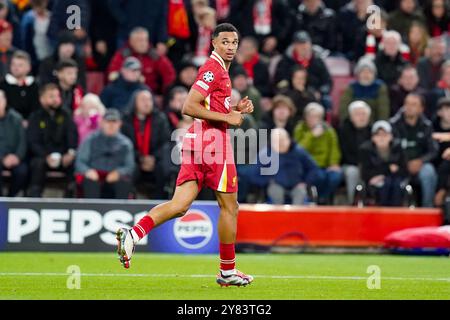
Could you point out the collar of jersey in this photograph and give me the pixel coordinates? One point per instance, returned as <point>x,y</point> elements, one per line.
<point>219,59</point>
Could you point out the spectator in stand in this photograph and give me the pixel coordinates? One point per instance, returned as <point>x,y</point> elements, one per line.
<point>187,74</point>
<point>6,47</point>
<point>150,15</point>
<point>367,88</point>
<point>383,165</point>
<point>321,142</point>
<point>415,132</point>
<point>148,129</point>
<point>117,94</point>
<point>441,124</point>
<point>429,67</point>
<point>401,19</point>
<point>244,151</point>
<point>319,78</point>
<point>13,146</point>
<point>257,69</point>
<point>243,84</point>
<point>102,34</point>
<point>61,17</point>
<point>352,20</point>
<point>206,23</point>
<point>417,42</point>
<point>300,94</point>
<point>157,70</point>
<point>354,131</point>
<point>437,13</point>
<point>66,49</point>
<point>52,141</point>
<point>20,88</point>
<point>406,84</point>
<point>389,59</point>
<point>71,92</point>
<point>270,22</point>
<point>88,116</point>
<point>34,27</point>
<point>176,98</point>
<point>442,162</point>
<point>320,23</point>
<point>297,170</point>
<point>281,116</point>
<point>9,13</point>
<point>105,161</point>
<point>442,90</point>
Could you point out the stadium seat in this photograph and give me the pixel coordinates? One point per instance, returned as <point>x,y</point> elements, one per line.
<point>340,83</point>
<point>95,82</point>
<point>338,66</point>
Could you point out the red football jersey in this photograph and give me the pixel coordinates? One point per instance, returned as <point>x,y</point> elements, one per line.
<point>213,82</point>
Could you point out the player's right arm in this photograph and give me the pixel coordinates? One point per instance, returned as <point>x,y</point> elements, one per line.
<point>193,107</point>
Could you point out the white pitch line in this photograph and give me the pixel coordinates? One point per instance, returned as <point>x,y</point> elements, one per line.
<point>134,275</point>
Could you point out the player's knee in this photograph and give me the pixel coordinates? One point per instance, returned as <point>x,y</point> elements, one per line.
<point>232,209</point>
<point>181,209</point>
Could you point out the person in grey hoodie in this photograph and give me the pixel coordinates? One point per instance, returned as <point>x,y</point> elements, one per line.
<point>13,145</point>
<point>105,161</point>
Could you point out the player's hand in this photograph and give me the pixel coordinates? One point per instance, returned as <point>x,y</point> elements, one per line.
<point>245,106</point>
<point>235,118</point>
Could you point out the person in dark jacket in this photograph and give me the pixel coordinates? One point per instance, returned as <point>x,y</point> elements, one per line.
<point>401,19</point>
<point>52,141</point>
<point>105,161</point>
<point>406,84</point>
<point>173,109</point>
<point>157,70</point>
<point>319,78</point>
<point>34,27</point>
<point>151,15</point>
<point>13,146</point>
<point>437,14</point>
<point>320,22</point>
<point>149,130</point>
<point>297,170</point>
<point>270,24</point>
<point>383,165</point>
<point>354,131</point>
<point>415,132</point>
<point>352,20</point>
<point>298,91</point>
<point>282,115</point>
<point>66,49</point>
<point>20,88</point>
<point>429,67</point>
<point>71,92</point>
<point>442,90</point>
<point>389,60</point>
<point>117,94</point>
<point>256,68</point>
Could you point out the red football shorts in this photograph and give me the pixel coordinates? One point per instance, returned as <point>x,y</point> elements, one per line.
<point>218,175</point>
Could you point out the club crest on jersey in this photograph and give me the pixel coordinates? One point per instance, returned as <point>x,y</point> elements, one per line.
<point>208,76</point>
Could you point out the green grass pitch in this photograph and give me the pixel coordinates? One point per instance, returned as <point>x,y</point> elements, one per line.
<point>178,277</point>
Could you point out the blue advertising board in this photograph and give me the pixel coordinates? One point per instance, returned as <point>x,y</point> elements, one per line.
<point>90,225</point>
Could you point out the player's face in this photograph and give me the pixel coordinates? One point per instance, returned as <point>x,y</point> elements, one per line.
<point>226,45</point>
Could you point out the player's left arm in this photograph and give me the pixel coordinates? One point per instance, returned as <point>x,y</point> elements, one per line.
<point>245,106</point>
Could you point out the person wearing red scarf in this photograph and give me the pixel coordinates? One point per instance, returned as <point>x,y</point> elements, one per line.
<point>148,128</point>
<point>256,69</point>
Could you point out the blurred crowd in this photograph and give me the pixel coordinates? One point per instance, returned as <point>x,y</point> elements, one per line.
<point>99,102</point>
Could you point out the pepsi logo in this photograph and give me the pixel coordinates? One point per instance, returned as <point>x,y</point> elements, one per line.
<point>194,230</point>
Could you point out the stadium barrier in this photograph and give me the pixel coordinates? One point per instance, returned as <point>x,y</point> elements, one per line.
<point>89,225</point>
<point>328,226</point>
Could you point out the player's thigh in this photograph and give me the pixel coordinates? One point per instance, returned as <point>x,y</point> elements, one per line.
<point>228,202</point>
<point>185,195</point>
